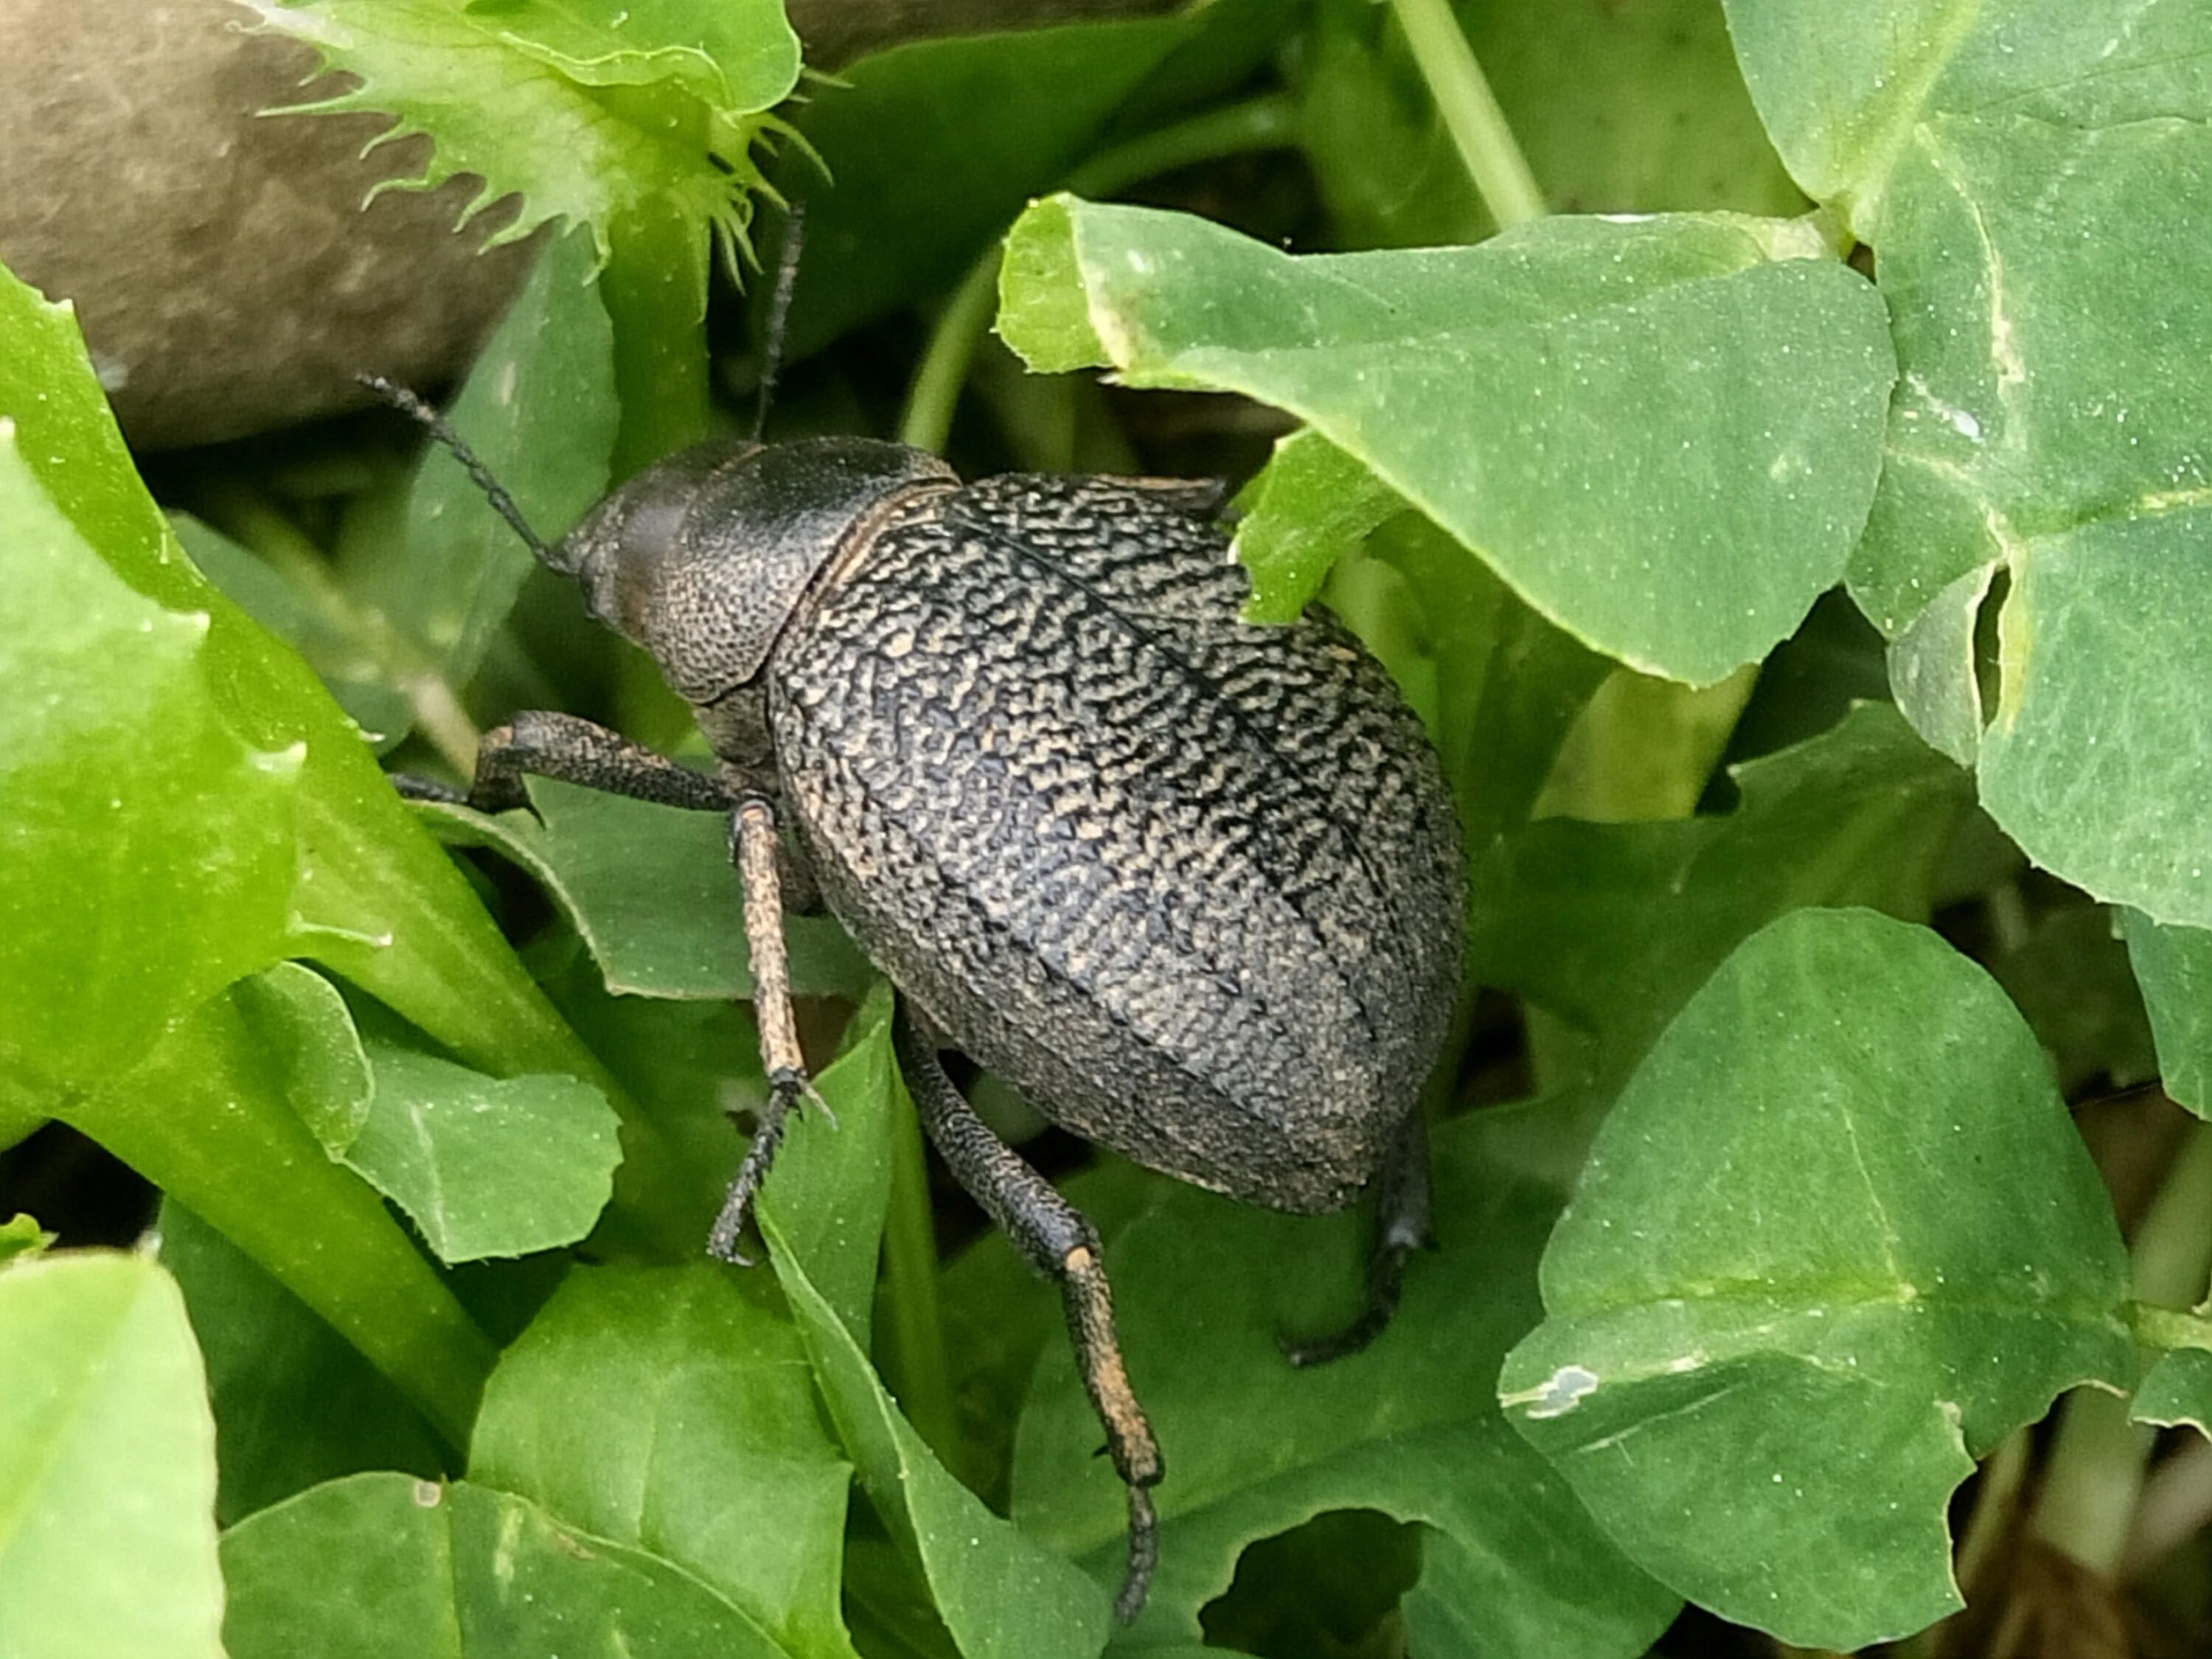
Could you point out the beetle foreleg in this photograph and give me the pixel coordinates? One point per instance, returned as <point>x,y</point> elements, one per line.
<point>753,845</point>
<point>1060,1241</point>
<point>1402,1227</point>
<point>572,750</point>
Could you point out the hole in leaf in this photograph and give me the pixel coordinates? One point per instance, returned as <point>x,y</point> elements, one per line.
<point>1326,1589</point>
<point>1989,664</point>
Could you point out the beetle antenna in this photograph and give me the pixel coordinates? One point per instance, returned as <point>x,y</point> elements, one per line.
<point>436,425</point>
<point>778,312</point>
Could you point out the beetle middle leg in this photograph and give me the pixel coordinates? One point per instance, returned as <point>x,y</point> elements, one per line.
<point>1402,1227</point>
<point>757,849</point>
<point>1060,1241</point>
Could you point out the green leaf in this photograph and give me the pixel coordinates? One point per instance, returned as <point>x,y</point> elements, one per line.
<point>175,831</point>
<point>1837,1237</point>
<point>304,618</point>
<point>737,56</point>
<point>539,411</point>
<point>1846,92</point>
<point>371,894</point>
<point>932,147</point>
<point>1498,688</point>
<point>107,1541</point>
<point>2028,175</point>
<point>310,1041</point>
<point>1204,1290</point>
<point>2173,965</point>
<point>295,1403</point>
<point>1642,749</point>
<point>1697,408</point>
<point>515,94</point>
<point>207,1117</point>
<point>1001,1595</point>
<point>2069,976</point>
<point>485,1166</point>
<point>1610,927</point>
<point>666,1409</point>
<point>2103,651</point>
<point>375,1564</point>
<point>21,1115</point>
<point>1309,504</point>
<point>2177,1390</point>
<point>653,892</point>
<point>21,1238</point>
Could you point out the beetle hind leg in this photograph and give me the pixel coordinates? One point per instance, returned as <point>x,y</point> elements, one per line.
<point>1059,1240</point>
<point>1402,1227</point>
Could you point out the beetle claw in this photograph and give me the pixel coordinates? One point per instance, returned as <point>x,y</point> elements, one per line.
<point>1144,1557</point>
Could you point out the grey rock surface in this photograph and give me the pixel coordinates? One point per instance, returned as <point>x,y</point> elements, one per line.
<point>223,269</point>
<point>222,264</point>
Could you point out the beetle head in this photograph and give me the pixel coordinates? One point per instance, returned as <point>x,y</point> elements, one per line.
<point>703,557</point>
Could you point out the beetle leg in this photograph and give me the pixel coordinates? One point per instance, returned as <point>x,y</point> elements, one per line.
<point>753,845</point>
<point>1060,1241</point>
<point>572,750</point>
<point>1402,1227</point>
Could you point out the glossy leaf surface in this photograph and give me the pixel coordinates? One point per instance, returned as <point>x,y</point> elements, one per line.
<point>453,1571</point>
<point>106,1465</point>
<point>1837,1237</point>
<point>667,1408</point>
<point>1697,407</point>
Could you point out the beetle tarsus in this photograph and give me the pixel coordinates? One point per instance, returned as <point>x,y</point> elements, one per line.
<point>1386,1277</point>
<point>1144,1557</point>
<point>1402,1228</point>
<point>413,786</point>
<point>786,1087</point>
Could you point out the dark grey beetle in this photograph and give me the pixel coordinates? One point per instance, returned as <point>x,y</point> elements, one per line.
<point>1193,886</point>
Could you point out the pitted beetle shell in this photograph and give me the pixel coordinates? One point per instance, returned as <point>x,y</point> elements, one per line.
<point>702,557</point>
<point>1193,886</point>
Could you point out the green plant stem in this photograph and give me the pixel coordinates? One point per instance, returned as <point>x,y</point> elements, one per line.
<point>2177,1504</point>
<point>2168,1327</point>
<point>934,391</point>
<point>1642,749</point>
<point>1470,111</point>
<point>2002,1476</point>
<point>915,1368</point>
<point>1267,123</point>
<point>2095,1477</point>
<point>1258,123</point>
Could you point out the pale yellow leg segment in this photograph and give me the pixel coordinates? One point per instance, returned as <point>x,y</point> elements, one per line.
<point>753,847</point>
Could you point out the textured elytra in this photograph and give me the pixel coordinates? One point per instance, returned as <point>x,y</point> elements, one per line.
<point>1193,886</point>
